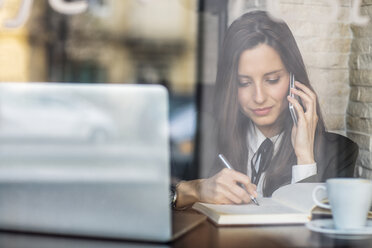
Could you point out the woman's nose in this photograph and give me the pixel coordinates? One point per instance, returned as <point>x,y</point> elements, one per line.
<point>259,93</point>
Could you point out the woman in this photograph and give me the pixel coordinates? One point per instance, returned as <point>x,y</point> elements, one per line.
<point>251,114</point>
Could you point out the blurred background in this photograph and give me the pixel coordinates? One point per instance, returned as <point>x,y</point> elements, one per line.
<point>176,43</point>
<point>109,41</point>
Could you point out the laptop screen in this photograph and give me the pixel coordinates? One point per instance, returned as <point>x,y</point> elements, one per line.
<point>90,159</point>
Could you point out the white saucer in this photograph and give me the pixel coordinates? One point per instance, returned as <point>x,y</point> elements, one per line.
<point>326,227</point>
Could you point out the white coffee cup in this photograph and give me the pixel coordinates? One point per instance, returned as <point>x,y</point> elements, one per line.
<point>350,200</point>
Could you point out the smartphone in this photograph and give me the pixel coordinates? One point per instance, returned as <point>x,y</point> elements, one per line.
<point>291,107</point>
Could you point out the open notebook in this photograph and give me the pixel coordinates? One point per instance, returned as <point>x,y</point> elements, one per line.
<point>291,204</point>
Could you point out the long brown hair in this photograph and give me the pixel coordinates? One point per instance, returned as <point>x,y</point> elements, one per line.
<point>245,33</point>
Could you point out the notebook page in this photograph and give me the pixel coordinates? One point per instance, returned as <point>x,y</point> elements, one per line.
<point>267,206</point>
<point>298,196</point>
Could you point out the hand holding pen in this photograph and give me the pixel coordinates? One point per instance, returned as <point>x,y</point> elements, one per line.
<point>228,165</point>
<point>222,188</point>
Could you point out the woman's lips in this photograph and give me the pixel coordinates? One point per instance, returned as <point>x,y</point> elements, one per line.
<point>262,111</point>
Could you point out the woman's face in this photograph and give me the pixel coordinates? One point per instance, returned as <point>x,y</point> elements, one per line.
<point>263,83</point>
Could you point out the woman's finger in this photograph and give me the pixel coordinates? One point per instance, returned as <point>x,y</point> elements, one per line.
<point>297,106</point>
<point>311,106</point>
<point>237,183</point>
<point>307,91</point>
<point>230,193</point>
<point>240,192</point>
<point>238,177</point>
<point>307,100</point>
<point>228,197</point>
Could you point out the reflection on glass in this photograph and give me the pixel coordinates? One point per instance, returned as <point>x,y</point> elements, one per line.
<point>34,117</point>
<point>54,127</point>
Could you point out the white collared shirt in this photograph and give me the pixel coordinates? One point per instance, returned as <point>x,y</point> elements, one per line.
<point>255,139</point>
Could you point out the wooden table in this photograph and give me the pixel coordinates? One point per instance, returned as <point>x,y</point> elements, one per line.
<point>204,235</point>
<point>209,235</point>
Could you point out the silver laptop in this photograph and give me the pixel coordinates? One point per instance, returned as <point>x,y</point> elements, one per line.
<point>84,159</point>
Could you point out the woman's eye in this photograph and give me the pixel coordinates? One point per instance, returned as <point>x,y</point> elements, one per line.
<point>273,81</point>
<point>244,83</point>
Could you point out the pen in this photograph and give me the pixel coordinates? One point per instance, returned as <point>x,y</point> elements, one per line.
<point>228,165</point>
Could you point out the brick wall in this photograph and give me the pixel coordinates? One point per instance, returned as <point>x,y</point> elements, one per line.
<point>359,112</point>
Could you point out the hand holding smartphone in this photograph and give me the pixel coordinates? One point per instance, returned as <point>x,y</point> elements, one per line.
<point>291,107</point>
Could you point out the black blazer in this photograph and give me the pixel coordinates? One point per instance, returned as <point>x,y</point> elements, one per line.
<point>336,158</point>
